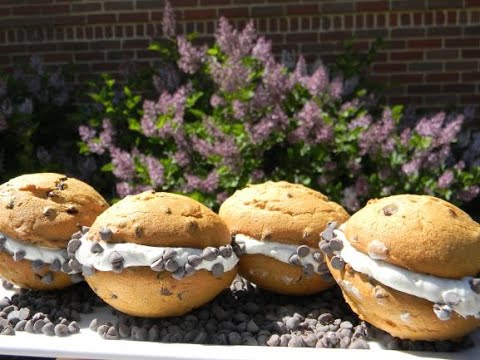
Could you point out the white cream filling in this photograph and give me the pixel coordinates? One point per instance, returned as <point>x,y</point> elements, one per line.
<point>142,255</point>
<point>33,252</point>
<point>424,286</point>
<point>278,251</point>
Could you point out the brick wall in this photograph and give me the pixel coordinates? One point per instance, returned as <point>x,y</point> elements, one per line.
<point>432,54</point>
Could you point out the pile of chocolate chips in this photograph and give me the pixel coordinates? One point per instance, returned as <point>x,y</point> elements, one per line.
<point>241,315</point>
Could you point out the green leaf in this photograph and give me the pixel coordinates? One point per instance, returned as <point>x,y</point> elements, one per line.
<point>107,167</point>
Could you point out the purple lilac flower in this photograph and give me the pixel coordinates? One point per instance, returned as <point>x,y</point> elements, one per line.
<point>350,199</point>
<point>469,193</point>
<point>311,127</point>
<point>167,78</point>
<point>378,137</point>
<point>222,196</point>
<point>361,186</point>
<point>182,158</point>
<point>124,189</point>
<point>216,101</point>
<point>451,130</point>
<point>430,126</point>
<point>352,104</point>
<point>238,109</point>
<point>354,166</point>
<point>207,185</point>
<point>362,121</point>
<point>191,58</point>
<point>86,133</point>
<point>229,76</point>
<point>412,167</point>
<point>275,81</point>
<point>155,170</point>
<point>446,179</point>
<point>149,118</point>
<point>43,155</point>
<point>6,108</point>
<point>317,82</point>
<point>107,135</point>
<point>246,39</point>
<point>168,21</point>
<point>276,120</point>
<point>3,123</point>
<point>233,43</point>
<point>34,87</point>
<point>123,164</point>
<point>460,165</point>
<point>434,158</point>
<point>472,153</point>
<point>262,50</point>
<point>405,136</point>
<point>257,175</point>
<point>336,88</point>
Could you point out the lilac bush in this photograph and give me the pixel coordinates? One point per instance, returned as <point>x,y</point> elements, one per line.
<point>231,114</point>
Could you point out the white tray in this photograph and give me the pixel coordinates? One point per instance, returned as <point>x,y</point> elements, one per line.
<point>89,345</point>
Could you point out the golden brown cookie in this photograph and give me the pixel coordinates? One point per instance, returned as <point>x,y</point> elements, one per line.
<point>156,255</point>
<point>286,218</point>
<point>408,265</point>
<point>38,215</point>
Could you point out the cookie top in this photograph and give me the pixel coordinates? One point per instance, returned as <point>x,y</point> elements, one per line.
<point>45,209</point>
<point>280,212</point>
<point>418,232</point>
<point>160,219</point>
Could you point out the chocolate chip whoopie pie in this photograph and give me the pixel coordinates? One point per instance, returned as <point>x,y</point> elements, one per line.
<point>38,215</point>
<point>409,264</point>
<point>156,254</point>
<point>276,227</point>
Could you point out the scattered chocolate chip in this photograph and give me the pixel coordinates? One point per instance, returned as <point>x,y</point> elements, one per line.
<point>336,244</point>
<point>77,235</point>
<point>294,260</point>
<point>49,329</point>
<point>380,293</point>
<point>325,248</point>
<point>56,265</point>
<point>189,270</point>
<point>94,324</point>
<point>308,270</point>
<point>226,251</point>
<point>19,255</point>
<point>194,260</point>
<point>332,225</point>
<point>105,233</point>
<point>84,229</point>
<point>10,204</point>
<point>171,265</point>
<point>66,268</point>
<point>326,319</point>
<point>337,262</point>
<point>238,248</point>
<point>3,240</point>
<point>475,285</point>
<point>138,231</point>
<point>327,234</point>
<point>359,344</point>
<point>179,273</point>
<point>71,209</point>
<point>169,254</point>
<point>443,311</point>
<point>210,253</point>
<point>20,326</point>
<point>101,330</point>
<point>96,248</point>
<point>217,270</point>
<point>73,328</point>
<point>61,330</point>
<point>158,265</point>
<point>318,256</point>
<point>7,285</point>
<point>73,246</point>
<point>303,250</point>
<point>88,270</point>
<point>48,211</point>
<point>8,330</point>
<point>47,278</point>
<point>116,261</point>
<point>390,209</point>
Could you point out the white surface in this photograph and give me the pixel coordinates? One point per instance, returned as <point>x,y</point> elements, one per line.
<point>88,345</point>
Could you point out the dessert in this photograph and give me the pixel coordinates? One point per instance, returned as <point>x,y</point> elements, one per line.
<point>38,215</point>
<point>276,227</point>
<point>156,254</point>
<point>409,265</point>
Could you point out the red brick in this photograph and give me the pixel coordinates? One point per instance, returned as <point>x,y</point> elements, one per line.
<point>407,78</point>
<point>462,43</point>
<point>73,46</point>
<point>370,20</point>
<point>407,33</point>
<point>390,67</point>
<point>305,24</point>
<point>442,54</point>
<point>395,44</point>
<point>406,55</point>
<point>359,21</point>
<point>424,89</point>
<point>214,2</point>
<point>58,57</point>
<point>471,76</point>
<point>408,5</point>
<point>87,7</point>
<point>425,43</point>
<point>302,9</point>
<point>69,20</point>
<point>233,12</point>
<point>4,12</point>
<point>348,21</point>
<point>90,56</point>
<point>336,35</point>
<point>470,99</point>
<point>45,47</point>
<point>151,4</point>
<point>444,31</point>
<point>105,67</point>
<point>118,5</point>
<point>472,3</point>
<point>440,99</point>
<point>371,6</point>
<point>135,44</point>
<point>133,17</point>
<point>381,20</point>
<point>104,45</point>
<point>27,10</point>
<point>442,77</point>
<point>120,55</point>
<point>428,18</point>
<point>101,19</point>
<point>393,19</point>
<point>302,37</point>
<point>445,4</point>
<point>440,18</point>
<point>460,88</point>
<point>461,65</point>
<point>55,9</point>
<point>418,19</point>
<point>471,53</point>
<point>267,11</point>
<point>405,19</point>
<point>337,7</point>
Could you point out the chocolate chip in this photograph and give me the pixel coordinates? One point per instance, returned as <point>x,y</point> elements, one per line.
<point>10,204</point>
<point>303,250</point>
<point>189,270</point>
<point>66,268</point>
<point>116,261</point>
<point>71,209</point>
<point>101,330</point>
<point>47,278</point>
<point>210,253</point>
<point>3,240</point>
<point>179,273</point>
<point>171,265</point>
<point>124,330</point>
<point>326,319</point>
<point>380,293</point>
<point>325,248</point>
<point>336,244</point>
<point>451,298</point>
<point>158,265</point>
<point>359,344</point>
<point>77,235</point>
<point>19,255</point>
<point>238,249</point>
<point>56,265</point>
<point>337,262</point>
<point>217,270</point>
<point>88,270</point>
<point>327,234</point>
<point>138,231</point>
<point>96,248</point>
<point>318,256</point>
<point>323,268</point>
<point>332,225</point>
<point>48,211</point>
<point>105,233</point>
<point>37,265</point>
<point>84,229</point>
<point>475,285</point>
<point>390,210</point>
<point>73,328</point>
<point>443,311</point>
<point>8,330</point>
<point>38,326</point>
<point>296,341</point>
<point>61,330</point>
<point>48,329</point>
<point>169,254</point>
<point>194,260</point>
<point>20,326</point>
<point>73,246</point>
<point>226,251</point>
<point>308,270</point>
